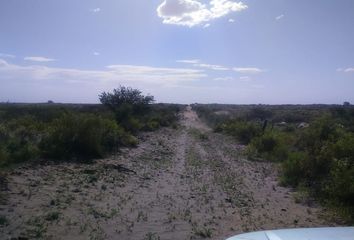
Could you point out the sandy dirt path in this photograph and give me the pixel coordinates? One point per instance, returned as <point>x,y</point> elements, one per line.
<point>186,183</point>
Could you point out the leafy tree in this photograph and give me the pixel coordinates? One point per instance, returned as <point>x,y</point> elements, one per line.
<point>128,104</point>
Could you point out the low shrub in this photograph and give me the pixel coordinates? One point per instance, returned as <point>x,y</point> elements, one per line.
<point>131,124</point>
<point>339,185</point>
<point>4,156</point>
<point>161,115</point>
<point>318,158</point>
<point>151,125</point>
<point>79,131</point>
<point>293,169</point>
<point>272,146</point>
<point>324,162</point>
<point>18,141</point>
<point>241,130</point>
<point>83,136</point>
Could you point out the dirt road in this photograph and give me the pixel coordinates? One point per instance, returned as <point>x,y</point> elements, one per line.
<point>186,183</point>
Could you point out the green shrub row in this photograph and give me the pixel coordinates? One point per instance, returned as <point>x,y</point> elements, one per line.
<point>319,158</point>
<point>83,136</point>
<point>70,136</point>
<point>243,131</point>
<point>79,131</point>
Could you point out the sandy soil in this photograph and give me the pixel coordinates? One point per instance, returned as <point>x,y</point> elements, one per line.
<point>188,183</point>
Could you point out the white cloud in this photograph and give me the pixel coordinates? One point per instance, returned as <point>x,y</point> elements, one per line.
<point>248,70</point>
<point>3,63</point>
<point>192,12</point>
<point>349,70</point>
<point>158,75</point>
<point>197,63</point>
<point>39,59</point>
<point>112,73</point>
<point>245,70</point>
<point>206,25</point>
<point>279,17</point>
<point>346,70</point>
<point>95,10</point>
<point>192,61</point>
<point>245,78</point>
<point>211,66</point>
<point>5,55</point>
<point>96,53</point>
<point>231,20</point>
<point>223,79</point>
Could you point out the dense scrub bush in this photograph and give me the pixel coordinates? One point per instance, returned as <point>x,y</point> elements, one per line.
<point>270,145</point>
<point>319,158</point>
<point>3,155</point>
<point>272,113</point>
<point>315,151</point>
<point>318,143</point>
<point>72,135</point>
<point>18,141</point>
<point>128,106</point>
<point>83,136</point>
<point>79,131</point>
<point>324,162</point>
<point>294,168</point>
<point>134,111</point>
<point>161,115</point>
<point>338,182</point>
<point>243,131</point>
<point>208,115</point>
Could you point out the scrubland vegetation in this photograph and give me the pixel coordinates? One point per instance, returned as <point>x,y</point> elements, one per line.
<point>77,132</point>
<point>185,182</point>
<point>314,145</point>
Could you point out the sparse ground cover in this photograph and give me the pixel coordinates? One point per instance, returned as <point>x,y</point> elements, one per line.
<point>184,183</point>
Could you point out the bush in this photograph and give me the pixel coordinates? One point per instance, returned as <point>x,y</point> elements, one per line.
<point>83,136</point>
<point>265,143</point>
<point>127,97</point>
<point>164,114</point>
<point>318,142</point>
<point>3,146</point>
<point>78,131</point>
<point>319,158</point>
<point>293,168</point>
<point>340,184</point>
<point>128,106</point>
<point>21,152</point>
<point>4,156</point>
<point>19,139</point>
<point>151,125</point>
<point>272,146</point>
<point>242,131</point>
<point>324,162</point>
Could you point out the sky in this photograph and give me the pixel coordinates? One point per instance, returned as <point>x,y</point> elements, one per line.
<point>180,51</point>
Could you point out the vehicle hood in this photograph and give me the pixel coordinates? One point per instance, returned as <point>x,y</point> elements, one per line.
<point>331,233</point>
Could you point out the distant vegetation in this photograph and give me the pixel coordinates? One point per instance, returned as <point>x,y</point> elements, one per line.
<point>313,144</point>
<point>79,131</point>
